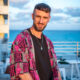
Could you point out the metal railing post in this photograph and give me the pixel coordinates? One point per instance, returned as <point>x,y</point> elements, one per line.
<point>77,48</point>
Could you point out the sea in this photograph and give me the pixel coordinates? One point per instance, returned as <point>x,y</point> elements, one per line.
<point>53,35</point>
<point>56,36</point>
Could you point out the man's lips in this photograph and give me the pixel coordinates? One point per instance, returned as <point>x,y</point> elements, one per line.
<point>40,24</point>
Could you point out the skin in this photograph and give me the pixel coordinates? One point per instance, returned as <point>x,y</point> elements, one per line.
<point>40,21</point>
<point>25,76</point>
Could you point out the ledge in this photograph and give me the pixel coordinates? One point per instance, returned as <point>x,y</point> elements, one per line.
<point>4,28</point>
<point>3,9</point>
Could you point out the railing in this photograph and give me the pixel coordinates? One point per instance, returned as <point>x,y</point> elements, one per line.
<point>63,47</point>
<point>63,50</point>
<point>69,48</point>
<point>9,45</point>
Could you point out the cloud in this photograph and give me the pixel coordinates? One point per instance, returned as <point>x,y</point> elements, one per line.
<point>13,11</point>
<point>30,5</point>
<point>18,13</point>
<point>60,17</point>
<point>21,10</point>
<point>75,19</point>
<point>57,10</point>
<point>19,1</point>
<point>20,24</point>
<point>74,12</point>
<point>62,26</point>
<point>66,15</point>
<point>57,18</point>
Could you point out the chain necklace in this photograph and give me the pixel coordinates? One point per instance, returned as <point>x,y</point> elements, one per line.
<point>40,44</point>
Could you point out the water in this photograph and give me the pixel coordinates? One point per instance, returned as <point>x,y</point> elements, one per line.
<point>57,35</point>
<point>53,35</point>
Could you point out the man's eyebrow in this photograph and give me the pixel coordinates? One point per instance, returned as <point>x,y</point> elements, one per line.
<point>45,17</point>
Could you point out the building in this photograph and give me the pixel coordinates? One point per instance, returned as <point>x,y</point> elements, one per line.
<point>4,18</point>
<point>4,26</point>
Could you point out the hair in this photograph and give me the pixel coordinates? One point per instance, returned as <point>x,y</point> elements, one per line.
<point>43,7</point>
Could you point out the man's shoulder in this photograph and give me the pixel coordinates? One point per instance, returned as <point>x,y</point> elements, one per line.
<point>22,35</point>
<point>25,32</point>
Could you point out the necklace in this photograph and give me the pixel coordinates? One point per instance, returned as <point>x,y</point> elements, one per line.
<point>40,44</point>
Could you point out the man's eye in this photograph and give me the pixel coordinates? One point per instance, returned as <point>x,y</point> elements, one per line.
<point>45,17</point>
<point>37,16</point>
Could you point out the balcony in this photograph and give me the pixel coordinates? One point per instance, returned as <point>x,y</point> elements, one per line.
<point>4,28</point>
<point>3,9</point>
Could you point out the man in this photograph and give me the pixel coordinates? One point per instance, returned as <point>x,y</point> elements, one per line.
<point>32,55</point>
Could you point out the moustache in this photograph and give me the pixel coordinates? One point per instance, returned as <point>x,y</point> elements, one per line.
<point>41,23</point>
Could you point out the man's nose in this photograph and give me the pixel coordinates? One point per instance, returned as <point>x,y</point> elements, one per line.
<point>41,20</point>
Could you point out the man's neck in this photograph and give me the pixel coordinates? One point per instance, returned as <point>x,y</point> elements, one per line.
<point>36,33</point>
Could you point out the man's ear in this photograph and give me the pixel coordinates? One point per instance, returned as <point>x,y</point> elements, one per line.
<point>32,16</point>
<point>49,18</point>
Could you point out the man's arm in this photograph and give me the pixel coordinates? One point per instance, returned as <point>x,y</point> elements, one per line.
<point>59,75</point>
<point>25,76</point>
<point>18,61</point>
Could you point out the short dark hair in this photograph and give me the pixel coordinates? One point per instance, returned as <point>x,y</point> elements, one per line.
<point>43,7</point>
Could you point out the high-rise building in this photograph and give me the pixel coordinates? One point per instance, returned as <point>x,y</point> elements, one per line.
<point>4,28</point>
<point>4,18</point>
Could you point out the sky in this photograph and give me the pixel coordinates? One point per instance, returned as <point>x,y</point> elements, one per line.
<point>65,14</point>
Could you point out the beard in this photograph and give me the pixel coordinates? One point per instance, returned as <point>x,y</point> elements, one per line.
<point>37,28</point>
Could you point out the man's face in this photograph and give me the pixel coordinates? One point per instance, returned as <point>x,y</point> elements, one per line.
<point>40,19</point>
